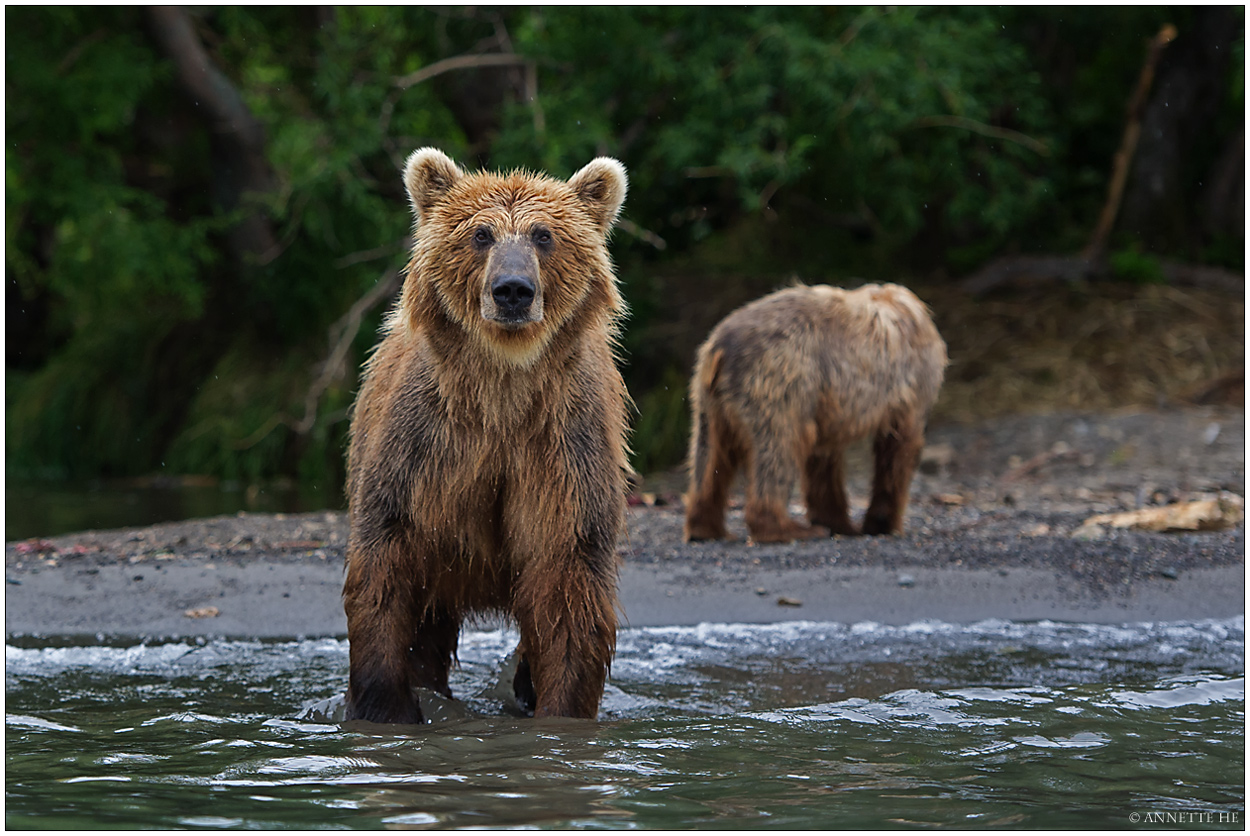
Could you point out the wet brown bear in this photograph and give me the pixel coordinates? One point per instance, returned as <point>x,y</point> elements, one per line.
<point>487,464</point>
<point>781,387</point>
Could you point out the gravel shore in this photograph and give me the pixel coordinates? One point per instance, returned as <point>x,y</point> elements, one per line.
<point>994,531</point>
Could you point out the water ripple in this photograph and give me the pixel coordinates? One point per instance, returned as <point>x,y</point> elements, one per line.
<point>791,726</point>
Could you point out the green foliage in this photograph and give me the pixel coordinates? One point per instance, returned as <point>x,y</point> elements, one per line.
<point>77,225</point>
<point>662,424</point>
<point>91,408</point>
<point>1132,265</point>
<point>762,143</point>
<point>107,172</point>
<point>894,117</point>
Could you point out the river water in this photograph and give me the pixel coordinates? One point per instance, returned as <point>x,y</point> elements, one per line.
<point>797,725</point>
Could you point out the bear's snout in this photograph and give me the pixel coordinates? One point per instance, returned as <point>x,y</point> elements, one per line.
<point>513,295</point>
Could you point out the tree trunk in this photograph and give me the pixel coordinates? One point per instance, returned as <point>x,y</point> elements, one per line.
<point>241,171</point>
<point>1224,190</point>
<point>1175,132</point>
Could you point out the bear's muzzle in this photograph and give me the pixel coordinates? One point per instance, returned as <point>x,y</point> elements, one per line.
<point>511,296</point>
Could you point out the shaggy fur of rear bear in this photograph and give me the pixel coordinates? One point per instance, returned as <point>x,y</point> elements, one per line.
<point>785,383</point>
<point>487,466</point>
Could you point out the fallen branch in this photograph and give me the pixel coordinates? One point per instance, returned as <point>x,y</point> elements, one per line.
<point>1032,269</point>
<point>1201,275</point>
<point>1058,453</point>
<point>1225,511</point>
<point>1029,269</point>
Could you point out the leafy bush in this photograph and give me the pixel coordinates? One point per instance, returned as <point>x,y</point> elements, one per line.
<point>884,117</point>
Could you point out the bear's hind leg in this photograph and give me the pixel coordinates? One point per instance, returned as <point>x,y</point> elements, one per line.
<point>714,459</point>
<point>825,489</point>
<point>896,450</point>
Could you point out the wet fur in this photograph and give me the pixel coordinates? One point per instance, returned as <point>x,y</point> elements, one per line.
<point>486,471</point>
<point>784,384</point>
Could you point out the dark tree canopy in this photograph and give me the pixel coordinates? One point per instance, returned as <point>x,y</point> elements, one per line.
<point>205,215</point>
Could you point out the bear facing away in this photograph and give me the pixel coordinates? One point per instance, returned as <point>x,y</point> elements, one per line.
<point>785,383</point>
<point>486,470</point>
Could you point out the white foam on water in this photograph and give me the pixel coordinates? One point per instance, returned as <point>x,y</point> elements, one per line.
<point>659,648</point>
<point>1178,692</point>
<point>157,658</point>
<point>28,722</point>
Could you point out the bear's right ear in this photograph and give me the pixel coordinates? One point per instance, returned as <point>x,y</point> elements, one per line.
<point>428,175</point>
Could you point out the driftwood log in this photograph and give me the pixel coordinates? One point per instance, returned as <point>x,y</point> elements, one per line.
<point>1023,270</point>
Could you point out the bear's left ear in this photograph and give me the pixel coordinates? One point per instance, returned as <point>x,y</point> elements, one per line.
<point>601,186</point>
<point>428,175</point>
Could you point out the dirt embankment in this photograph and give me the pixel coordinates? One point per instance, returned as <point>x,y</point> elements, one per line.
<point>994,530</point>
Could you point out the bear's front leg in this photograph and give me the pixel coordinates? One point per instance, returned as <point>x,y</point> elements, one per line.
<point>380,631</point>
<point>433,648</point>
<point>824,485</point>
<point>566,613</point>
<point>523,682</point>
<point>773,470</point>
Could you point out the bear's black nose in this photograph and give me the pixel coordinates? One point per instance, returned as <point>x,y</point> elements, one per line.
<point>513,294</point>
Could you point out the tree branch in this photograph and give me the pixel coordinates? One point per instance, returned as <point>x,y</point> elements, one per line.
<point>342,335</point>
<point>1128,144</point>
<point>460,62</point>
<point>377,252</point>
<point>212,90</point>
<point>626,225</point>
<point>74,54</point>
<point>983,129</point>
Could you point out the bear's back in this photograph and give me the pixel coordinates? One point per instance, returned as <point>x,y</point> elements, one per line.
<point>873,347</point>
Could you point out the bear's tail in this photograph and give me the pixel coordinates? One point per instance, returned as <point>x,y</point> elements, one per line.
<point>702,400</point>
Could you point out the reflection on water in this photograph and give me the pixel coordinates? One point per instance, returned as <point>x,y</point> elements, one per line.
<point>796,725</point>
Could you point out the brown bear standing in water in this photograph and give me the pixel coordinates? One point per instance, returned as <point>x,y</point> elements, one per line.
<point>487,465</point>
<point>785,383</point>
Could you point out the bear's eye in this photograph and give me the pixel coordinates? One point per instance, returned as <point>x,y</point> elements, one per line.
<point>542,237</point>
<point>482,237</point>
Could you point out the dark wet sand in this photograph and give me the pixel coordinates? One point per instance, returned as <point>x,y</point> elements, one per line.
<point>288,598</point>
